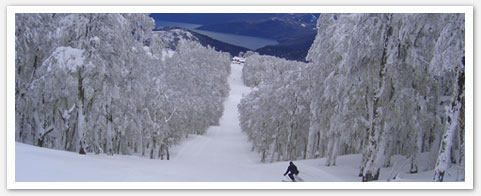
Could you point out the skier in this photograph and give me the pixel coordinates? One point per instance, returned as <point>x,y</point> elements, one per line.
<point>292,170</point>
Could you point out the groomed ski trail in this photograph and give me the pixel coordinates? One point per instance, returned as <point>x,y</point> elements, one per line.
<point>223,149</point>
<point>224,152</point>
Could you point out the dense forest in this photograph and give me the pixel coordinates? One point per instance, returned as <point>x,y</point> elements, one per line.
<point>104,83</point>
<point>374,84</point>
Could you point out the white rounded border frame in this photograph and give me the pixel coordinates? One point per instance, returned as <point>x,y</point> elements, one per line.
<point>469,102</point>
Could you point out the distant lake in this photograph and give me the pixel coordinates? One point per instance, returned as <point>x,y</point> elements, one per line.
<point>239,40</point>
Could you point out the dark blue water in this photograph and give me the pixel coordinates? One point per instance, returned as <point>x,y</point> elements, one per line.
<point>239,40</point>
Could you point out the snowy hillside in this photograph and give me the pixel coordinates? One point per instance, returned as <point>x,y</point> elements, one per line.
<point>62,166</point>
<point>223,154</point>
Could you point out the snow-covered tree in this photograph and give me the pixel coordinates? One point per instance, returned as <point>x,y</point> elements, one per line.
<point>105,83</point>
<point>375,84</point>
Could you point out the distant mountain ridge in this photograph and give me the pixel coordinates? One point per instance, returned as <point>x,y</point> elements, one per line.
<point>294,32</point>
<point>279,27</point>
<point>218,18</point>
<point>295,49</point>
<point>172,35</point>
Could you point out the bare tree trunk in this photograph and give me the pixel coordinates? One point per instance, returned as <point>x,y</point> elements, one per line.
<point>288,143</point>
<point>444,157</point>
<point>152,153</point>
<point>161,151</point>
<point>453,113</point>
<point>461,161</point>
<point>313,131</point>
<point>167,152</point>
<point>375,149</point>
<point>273,148</point>
<point>335,151</point>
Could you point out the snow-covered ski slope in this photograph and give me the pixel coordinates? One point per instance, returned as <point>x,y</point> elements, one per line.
<point>223,154</point>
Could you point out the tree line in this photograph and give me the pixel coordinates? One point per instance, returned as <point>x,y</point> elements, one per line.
<point>375,84</point>
<point>104,83</point>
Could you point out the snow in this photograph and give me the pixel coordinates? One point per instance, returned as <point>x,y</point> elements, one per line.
<point>223,154</point>
<point>147,51</point>
<point>238,60</point>
<point>66,58</point>
<point>167,54</point>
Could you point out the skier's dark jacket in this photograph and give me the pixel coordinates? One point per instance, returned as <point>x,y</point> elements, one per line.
<point>292,168</point>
